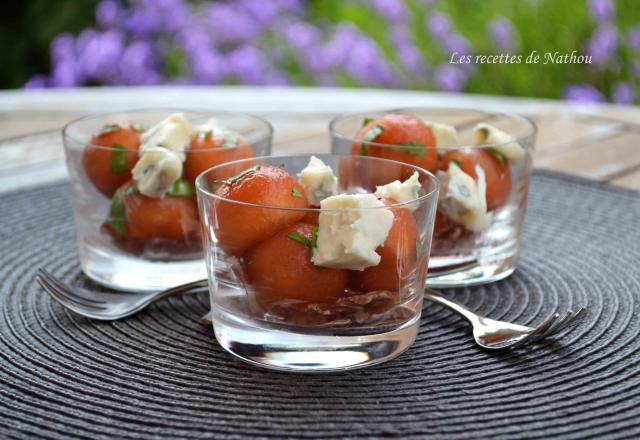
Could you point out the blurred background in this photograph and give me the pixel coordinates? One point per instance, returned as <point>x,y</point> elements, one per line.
<point>350,43</point>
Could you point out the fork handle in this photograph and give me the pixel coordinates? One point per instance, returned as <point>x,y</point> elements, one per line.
<point>182,288</point>
<point>435,297</point>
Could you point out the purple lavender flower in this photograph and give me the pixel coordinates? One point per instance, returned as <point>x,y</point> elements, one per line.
<point>393,10</point>
<point>139,65</point>
<point>602,44</point>
<point>583,93</point>
<point>601,10</point>
<point>439,25</point>
<point>208,67</point>
<point>37,81</point>
<point>300,35</point>
<point>62,47</point>
<point>66,73</point>
<point>634,38</point>
<point>231,23</point>
<point>249,65</point>
<point>108,13</point>
<point>623,93</point>
<point>457,43</point>
<point>99,54</point>
<point>502,33</point>
<point>440,28</point>
<point>360,57</point>
<point>406,51</point>
<point>450,78</point>
<point>635,68</point>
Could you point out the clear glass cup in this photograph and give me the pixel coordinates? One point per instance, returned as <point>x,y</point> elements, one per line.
<point>272,306</point>
<point>127,241</point>
<point>461,254</point>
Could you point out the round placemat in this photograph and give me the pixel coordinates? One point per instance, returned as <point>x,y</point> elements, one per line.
<point>161,372</point>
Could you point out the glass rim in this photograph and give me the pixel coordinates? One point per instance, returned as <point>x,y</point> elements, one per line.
<point>200,189</point>
<point>532,130</point>
<point>169,110</point>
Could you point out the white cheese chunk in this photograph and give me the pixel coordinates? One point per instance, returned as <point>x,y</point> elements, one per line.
<point>318,180</point>
<point>462,198</point>
<point>402,191</point>
<point>445,134</point>
<point>504,143</point>
<point>210,124</point>
<point>173,133</point>
<point>156,171</point>
<point>349,233</point>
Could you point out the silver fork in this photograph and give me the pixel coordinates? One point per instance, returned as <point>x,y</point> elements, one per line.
<point>104,305</point>
<point>488,333</point>
<point>498,335</point>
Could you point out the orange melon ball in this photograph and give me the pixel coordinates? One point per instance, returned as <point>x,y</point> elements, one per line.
<point>280,268</point>
<point>109,168</point>
<point>399,256</point>
<point>239,227</point>
<point>497,172</point>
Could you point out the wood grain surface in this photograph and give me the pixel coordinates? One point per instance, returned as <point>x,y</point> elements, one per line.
<point>598,142</point>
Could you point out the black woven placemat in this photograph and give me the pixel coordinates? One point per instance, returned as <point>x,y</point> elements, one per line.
<point>161,373</point>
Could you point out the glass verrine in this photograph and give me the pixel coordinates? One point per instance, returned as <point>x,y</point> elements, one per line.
<point>127,240</point>
<point>274,302</point>
<point>485,156</point>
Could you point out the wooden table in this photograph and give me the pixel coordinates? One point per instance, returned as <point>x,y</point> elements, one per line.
<point>600,142</point>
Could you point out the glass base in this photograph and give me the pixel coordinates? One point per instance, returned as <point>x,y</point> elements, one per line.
<point>470,272</point>
<point>283,349</point>
<point>131,274</point>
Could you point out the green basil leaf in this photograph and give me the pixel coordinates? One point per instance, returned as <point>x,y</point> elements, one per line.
<point>365,121</point>
<point>118,158</point>
<point>234,179</point>
<point>498,155</point>
<point>182,187</point>
<point>295,192</point>
<point>457,162</point>
<point>297,236</point>
<point>108,129</point>
<point>413,148</point>
<point>140,127</point>
<point>375,131</point>
<point>314,237</point>
<point>117,214</point>
<point>369,136</point>
<point>132,190</point>
<point>230,139</point>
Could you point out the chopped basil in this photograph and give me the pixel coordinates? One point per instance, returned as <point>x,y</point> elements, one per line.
<point>117,214</point>
<point>457,162</point>
<point>229,139</point>
<point>314,238</point>
<point>182,187</point>
<point>365,121</point>
<point>281,166</point>
<point>140,127</point>
<point>118,158</point>
<point>234,179</point>
<point>205,134</point>
<point>369,136</point>
<point>297,236</point>
<point>413,149</point>
<point>132,190</point>
<point>498,155</point>
<point>108,129</point>
<point>295,192</point>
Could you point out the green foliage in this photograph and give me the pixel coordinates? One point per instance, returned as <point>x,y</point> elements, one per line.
<point>27,29</point>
